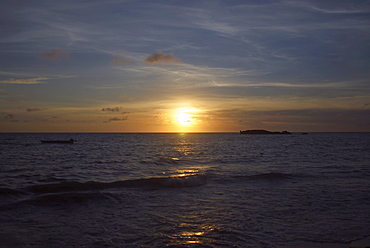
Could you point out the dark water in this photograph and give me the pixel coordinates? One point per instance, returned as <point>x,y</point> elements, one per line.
<point>184,190</point>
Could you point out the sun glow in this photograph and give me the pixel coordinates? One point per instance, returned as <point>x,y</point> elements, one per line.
<point>185,116</point>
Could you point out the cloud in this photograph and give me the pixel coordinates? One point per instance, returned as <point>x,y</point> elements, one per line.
<point>127,97</point>
<point>204,21</point>
<point>160,57</point>
<point>55,55</point>
<point>9,116</point>
<point>114,109</point>
<point>120,61</point>
<point>337,120</point>
<point>34,109</point>
<point>24,81</point>
<point>115,119</point>
<point>344,7</point>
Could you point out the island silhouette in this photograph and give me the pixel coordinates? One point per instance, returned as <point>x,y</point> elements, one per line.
<point>260,131</point>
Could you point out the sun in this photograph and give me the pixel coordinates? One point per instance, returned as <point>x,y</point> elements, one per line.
<point>185,116</point>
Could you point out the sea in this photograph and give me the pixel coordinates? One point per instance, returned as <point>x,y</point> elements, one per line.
<point>184,190</point>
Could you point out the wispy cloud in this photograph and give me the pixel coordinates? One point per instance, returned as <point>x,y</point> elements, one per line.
<point>120,61</point>
<point>192,76</point>
<point>160,57</point>
<point>55,55</point>
<point>211,24</point>
<point>39,80</point>
<point>15,74</point>
<point>340,7</point>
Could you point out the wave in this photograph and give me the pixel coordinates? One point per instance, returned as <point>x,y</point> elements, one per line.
<point>69,197</point>
<point>163,161</point>
<point>270,176</point>
<point>151,183</point>
<point>8,191</point>
<point>73,192</point>
<point>58,199</point>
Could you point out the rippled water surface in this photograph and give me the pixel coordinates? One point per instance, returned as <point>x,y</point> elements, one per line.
<point>184,190</point>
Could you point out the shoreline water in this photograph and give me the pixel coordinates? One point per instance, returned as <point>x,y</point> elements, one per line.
<point>207,190</point>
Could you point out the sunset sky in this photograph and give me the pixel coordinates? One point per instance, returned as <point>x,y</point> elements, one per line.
<point>184,65</point>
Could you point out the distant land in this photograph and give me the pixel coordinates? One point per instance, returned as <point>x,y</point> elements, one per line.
<point>255,131</point>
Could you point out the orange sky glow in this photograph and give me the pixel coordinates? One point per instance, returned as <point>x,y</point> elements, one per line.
<point>161,66</point>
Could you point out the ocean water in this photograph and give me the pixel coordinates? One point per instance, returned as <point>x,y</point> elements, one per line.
<point>184,190</point>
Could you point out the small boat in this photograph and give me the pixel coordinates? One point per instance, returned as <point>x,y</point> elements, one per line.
<point>71,141</point>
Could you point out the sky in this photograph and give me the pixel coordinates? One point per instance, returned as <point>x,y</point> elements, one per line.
<point>184,65</point>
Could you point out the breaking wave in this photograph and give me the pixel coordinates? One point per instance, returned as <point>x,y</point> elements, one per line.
<point>73,192</point>
<point>151,183</point>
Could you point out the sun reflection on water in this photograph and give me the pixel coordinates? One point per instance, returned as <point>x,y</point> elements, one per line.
<point>192,237</point>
